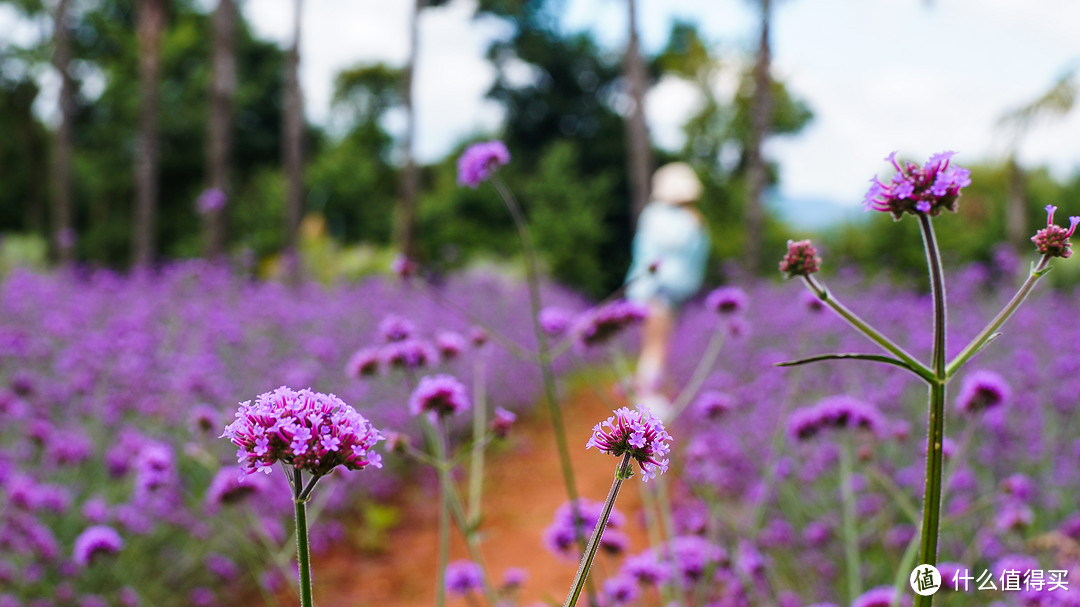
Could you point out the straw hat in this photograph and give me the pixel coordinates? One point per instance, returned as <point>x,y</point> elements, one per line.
<point>676,183</point>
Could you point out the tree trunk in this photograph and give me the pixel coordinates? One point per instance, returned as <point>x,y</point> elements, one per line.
<point>410,186</point>
<point>151,26</point>
<point>293,127</point>
<point>759,125</point>
<point>220,126</point>
<point>637,133</point>
<point>63,233</point>
<point>1016,231</point>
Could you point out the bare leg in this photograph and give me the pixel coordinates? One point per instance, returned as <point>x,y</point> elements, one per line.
<point>654,347</point>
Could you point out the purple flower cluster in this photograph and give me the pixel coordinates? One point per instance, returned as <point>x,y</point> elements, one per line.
<point>913,189</point>
<point>982,390</point>
<point>308,430</point>
<point>801,259</point>
<point>727,300</point>
<point>637,432</point>
<point>439,396</point>
<point>480,161</point>
<point>210,200</point>
<point>561,538</point>
<point>463,577</point>
<point>834,412</point>
<point>600,324</point>
<point>1053,240</point>
<point>97,540</point>
<point>882,596</point>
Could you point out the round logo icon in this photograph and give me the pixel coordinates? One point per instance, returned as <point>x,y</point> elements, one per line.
<point>925,580</point>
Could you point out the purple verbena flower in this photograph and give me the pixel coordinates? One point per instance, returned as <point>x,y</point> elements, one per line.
<point>408,354</point>
<point>210,200</point>
<point>601,324</point>
<point>514,577</point>
<point>620,590</point>
<point>1053,240</point>
<point>231,486</point>
<point>727,300</point>
<point>450,344</point>
<point>560,537</point>
<point>395,328</point>
<point>363,362</point>
<point>480,161</point>
<point>913,189</point>
<point>646,568</point>
<point>290,426</point>
<point>502,421</point>
<point>94,541</point>
<point>882,596</point>
<point>834,412</point>
<point>637,432</point>
<point>691,556</point>
<point>713,404</point>
<point>801,259</point>
<point>463,577</point>
<point>438,396</point>
<point>554,321</point>
<point>982,390</point>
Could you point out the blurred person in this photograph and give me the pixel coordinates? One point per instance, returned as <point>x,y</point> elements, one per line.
<point>670,249</point>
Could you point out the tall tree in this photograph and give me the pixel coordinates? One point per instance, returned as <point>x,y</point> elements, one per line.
<point>757,172</point>
<point>293,152</point>
<point>405,227</point>
<point>151,26</point>
<point>1057,101</point>
<point>639,156</point>
<point>63,231</point>
<point>219,134</point>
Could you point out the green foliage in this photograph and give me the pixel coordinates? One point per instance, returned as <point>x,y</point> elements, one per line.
<point>567,224</point>
<point>106,129</point>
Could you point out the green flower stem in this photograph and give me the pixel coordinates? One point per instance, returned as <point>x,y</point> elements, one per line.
<point>622,472</point>
<point>472,541</point>
<point>303,556</point>
<point>444,513</point>
<point>863,327</point>
<point>988,332</point>
<point>907,563</point>
<point>850,524</point>
<point>936,417</point>
<point>532,276</point>
<point>476,463</point>
<point>701,373</point>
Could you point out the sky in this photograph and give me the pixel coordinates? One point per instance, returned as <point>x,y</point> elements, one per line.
<point>913,76</point>
<point>880,76</point>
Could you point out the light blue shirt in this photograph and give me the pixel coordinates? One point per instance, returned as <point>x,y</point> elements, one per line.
<point>672,236</point>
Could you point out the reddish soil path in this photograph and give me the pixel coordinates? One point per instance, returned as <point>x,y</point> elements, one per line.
<point>523,489</point>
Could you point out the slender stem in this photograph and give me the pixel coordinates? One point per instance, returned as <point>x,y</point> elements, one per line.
<point>476,464</point>
<point>701,373</point>
<point>532,276</point>
<point>472,542</point>
<point>303,556</point>
<point>936,416</point>
<point>863,327</point>
<point>444,514</point>
<point>850,528</point>
<point>621,472</point>
<point>977,343</point>
<point>907,563</point>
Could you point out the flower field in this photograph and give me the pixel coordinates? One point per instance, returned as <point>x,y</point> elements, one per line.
<point>787,485</point>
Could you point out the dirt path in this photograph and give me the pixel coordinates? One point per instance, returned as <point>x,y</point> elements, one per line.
<point>524,488</point>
